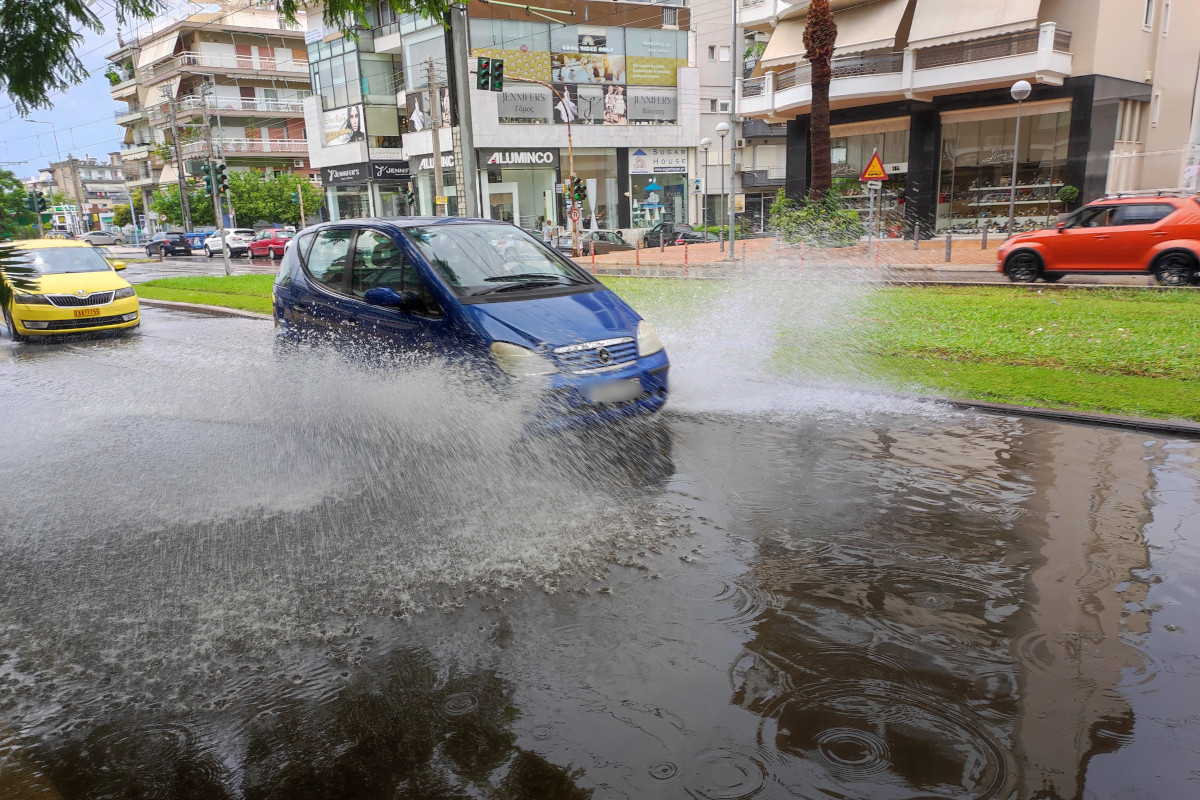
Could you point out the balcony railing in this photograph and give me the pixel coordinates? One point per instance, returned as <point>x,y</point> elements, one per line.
<point>233,104</point>
<point>126,112</point>
<point>844,67</point>
<point>249,146</point>
<point>1013,44</point>
<point>224,61</point>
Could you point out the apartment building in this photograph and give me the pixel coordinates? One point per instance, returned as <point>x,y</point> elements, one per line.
<point>926,83</point>
<point>237,63</point>
<point>626,78</point>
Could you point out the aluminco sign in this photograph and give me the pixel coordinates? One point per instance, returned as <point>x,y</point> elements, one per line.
<point>518,158</point>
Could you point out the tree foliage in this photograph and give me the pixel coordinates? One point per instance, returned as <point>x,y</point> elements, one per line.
<point>122,215</point>
<point>12,204</point>
<point>166,201</point>
<point>819,221</point>
<point>820,36</point>
<point>38,57</point>
<point>257,197</point>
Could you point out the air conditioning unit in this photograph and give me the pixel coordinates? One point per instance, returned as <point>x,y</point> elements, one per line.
<point>297,162</point>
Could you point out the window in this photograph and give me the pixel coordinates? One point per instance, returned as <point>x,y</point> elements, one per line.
<point>378,263</point>
<point>1129,121</point>
<point>723,107</point>
<point>670,17</point>
<point>1142,213</point>
<point>1156,107</point>
<point>1148,16</point>
<point>712,52</point>
<point>1166,16</point>
<point>724,52</point>
<point>327,259</point>
<point>1092,217</point>
<point>712,105</point>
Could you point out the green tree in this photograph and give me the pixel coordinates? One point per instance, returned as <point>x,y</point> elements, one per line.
<point>258,197</point>
<point>820,35</point>
<point>41,37</point>
<point>122,215</point>
<point>12,204</point>
<point>166,201</point>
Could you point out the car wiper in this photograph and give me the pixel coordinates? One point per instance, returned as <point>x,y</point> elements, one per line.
<point>521,276</point>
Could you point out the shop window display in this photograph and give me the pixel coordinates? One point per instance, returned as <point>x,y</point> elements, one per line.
<point>976,173</point>
<point>849,156</point>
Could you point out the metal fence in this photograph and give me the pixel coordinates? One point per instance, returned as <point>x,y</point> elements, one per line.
<point>1012,44</point>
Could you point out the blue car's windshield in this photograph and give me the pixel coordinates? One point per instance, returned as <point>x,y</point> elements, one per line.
<point>493,259</point>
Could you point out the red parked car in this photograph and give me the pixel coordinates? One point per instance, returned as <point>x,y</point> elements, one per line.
<point>270,243</point>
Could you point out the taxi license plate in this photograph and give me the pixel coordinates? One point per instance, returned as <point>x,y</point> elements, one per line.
<point>87,312</point>
<point>615,391</point>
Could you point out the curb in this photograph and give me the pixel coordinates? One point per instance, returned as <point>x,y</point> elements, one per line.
<point>198,308</point>
<point>1190,430</point>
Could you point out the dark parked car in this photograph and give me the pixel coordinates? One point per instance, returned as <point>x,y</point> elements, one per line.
<point>695,237</point>
<point>603,241</point>
<point>168,244</point>
<point>666,232</point>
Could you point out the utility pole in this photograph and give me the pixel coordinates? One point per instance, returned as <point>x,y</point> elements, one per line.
<point>435,104</point>
<point>468,190</point>
<point>209,89</point>
<point>77,191</point>
<point>216,196</point>
<point>182,178</point>
<point>736,60</point>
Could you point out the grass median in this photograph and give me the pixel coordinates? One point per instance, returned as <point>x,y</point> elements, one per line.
<point>1120,351</point>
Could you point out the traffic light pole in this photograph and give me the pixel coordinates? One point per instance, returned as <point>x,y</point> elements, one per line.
<point>216,197</point>
<point>469,195</point>
<point>435,123</point>
<point>575,250</point>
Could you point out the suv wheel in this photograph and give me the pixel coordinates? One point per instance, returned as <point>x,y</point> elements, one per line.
<point>1023,267</point>
<point>1174,269</point>
<point>208,252</point>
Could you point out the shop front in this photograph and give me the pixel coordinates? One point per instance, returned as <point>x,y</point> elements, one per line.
<point>597,168</point>
<point>658,185</point>
<point>851,147</point>
<point>389,184</point>
<point>421,168</point>
<point>520,185</point>
<point>368,189</point>
<point>975,183</point>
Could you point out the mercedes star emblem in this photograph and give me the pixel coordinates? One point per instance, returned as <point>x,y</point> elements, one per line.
<point>603,356</point>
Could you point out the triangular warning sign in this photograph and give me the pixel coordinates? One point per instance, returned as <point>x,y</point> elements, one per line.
<point>874,170</point>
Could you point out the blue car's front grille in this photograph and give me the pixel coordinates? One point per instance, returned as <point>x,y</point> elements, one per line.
<point>597,356</point>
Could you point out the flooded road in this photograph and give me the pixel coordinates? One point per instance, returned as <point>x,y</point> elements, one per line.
<point>228,574</point>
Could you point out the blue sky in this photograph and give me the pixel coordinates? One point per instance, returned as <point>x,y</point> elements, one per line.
<point>83,115</point>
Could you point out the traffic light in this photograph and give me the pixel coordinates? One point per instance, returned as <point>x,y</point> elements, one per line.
<point>296,198</point>
<point>30,202</point>
<point>483,76</point>
<point>41,202</point>
<point>409,197</point>
<point>222,180</point>
<point>497,75</point>
<point>578,190</point>
<point>209,184</point>
<point>582,190</point>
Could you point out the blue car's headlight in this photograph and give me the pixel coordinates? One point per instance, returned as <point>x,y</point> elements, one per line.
<point>647,340</point>
<point>517,360</point>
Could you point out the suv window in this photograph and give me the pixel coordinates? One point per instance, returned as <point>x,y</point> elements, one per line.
<point>1091,217</point>
<point>1142,213</point>
<point>328,257</point>
<point>378,263</point>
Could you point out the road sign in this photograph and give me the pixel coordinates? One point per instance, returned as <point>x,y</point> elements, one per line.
<point>874,170</point>
<point>575,214</point>
<point>875,185</point>
<point>162,217</point>
<point>441,200</point>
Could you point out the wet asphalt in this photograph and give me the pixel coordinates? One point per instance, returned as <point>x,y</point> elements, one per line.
<point>231,572</point>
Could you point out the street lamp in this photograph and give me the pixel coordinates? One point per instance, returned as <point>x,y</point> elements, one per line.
<point>1020,90</point>
<point>705,143</point>
<point>722,131</point>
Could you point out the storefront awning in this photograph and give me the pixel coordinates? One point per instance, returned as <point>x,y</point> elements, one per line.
<point>861,28</point>
<point>156,52</point>
<point>938,22</point>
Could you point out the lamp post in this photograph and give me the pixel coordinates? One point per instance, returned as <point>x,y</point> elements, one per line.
<point>1020,90</point>
<point>722,131</point>
<point>705,143</point>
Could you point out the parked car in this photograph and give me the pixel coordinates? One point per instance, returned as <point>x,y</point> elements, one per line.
<point>270,243</point>
<point>77,291</point>
<point>238,239</point>
<point>1159,236</point>
<point>667,232</point>
<point>478,292</point>
<point>695,237</point>
<point>603,241</point>
<point>102,237</point>
<point>168,244</point>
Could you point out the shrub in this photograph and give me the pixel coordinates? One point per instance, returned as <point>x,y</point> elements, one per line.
<point>821,223</point>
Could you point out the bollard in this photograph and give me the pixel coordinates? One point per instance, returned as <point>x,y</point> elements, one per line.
<point>983,246</point>
<point>779,240</point>
<point>685,264</point>
<point>662,241</point>
<point>637,258</point>
<point>593,256</point>
<point>743,252</point>
<point>917,236</point>
<point>947,247</point>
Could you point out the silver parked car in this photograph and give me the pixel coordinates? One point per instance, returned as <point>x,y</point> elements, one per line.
<point>102,237</point>
<point>238,239</point>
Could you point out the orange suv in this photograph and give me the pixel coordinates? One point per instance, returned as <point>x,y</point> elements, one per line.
<point>1159,236</point>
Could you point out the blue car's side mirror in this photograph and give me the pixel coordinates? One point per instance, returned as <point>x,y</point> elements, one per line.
<point>384,296</point>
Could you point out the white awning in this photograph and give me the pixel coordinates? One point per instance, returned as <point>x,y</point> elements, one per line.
<point>861,28</point>
<point>169,175</point>
<point>945,21</point>
<point>154,92</point>
<point>156,51</point>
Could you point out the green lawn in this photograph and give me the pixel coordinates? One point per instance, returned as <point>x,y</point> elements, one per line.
<point>1119,351</point>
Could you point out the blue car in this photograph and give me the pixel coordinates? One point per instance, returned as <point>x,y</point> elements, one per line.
<point>477,291</point>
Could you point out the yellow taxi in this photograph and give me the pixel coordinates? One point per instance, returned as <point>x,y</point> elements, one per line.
<point>75,291</point>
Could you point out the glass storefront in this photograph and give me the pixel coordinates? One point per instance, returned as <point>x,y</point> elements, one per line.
<point>658,198</point>
<point>597,167</point>
<point>524,197</point>
<point>849,156</point>
<point>425,196</point>
<point>347,202</point>
<point>976,172</point>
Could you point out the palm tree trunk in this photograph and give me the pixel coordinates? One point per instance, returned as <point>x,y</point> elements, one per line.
<point>822,171</point>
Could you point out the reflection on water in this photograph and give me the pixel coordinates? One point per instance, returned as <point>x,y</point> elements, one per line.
<point>716,606</point>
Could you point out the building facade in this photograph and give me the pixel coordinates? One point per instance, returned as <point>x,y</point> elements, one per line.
<point>238,65</point>
<point>926,84</point>
<point>623,75</point>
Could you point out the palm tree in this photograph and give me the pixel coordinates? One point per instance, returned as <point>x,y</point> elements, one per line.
<point>820,35</point>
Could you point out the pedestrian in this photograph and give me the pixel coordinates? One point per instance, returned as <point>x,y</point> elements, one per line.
<point>547,231</point>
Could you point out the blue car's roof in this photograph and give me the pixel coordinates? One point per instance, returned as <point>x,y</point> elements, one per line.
<point>407,222</point>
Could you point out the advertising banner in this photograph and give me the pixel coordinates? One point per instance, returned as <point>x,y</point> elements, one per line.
<point>658,160</point>
<point>529,103</point>
<point>652,71</point>
<point>344,125</point>
<point>653,105</point>
<point>519,64</point>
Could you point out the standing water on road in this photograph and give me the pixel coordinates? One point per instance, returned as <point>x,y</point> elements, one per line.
<point>232,575</point>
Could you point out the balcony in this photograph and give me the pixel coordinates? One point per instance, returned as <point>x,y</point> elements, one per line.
<point>1043,56</point>
<point>136,180</point>
<point>771,176</point>
<point>135,151</point>
<point>226,63</point>
<point>251,147</point>
<point>126,88</point>
<point>232,106</point>
<point>128,116</point>
<point>763,13</point>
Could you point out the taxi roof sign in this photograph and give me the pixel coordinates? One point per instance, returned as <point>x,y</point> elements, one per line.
<point>874,170</point>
